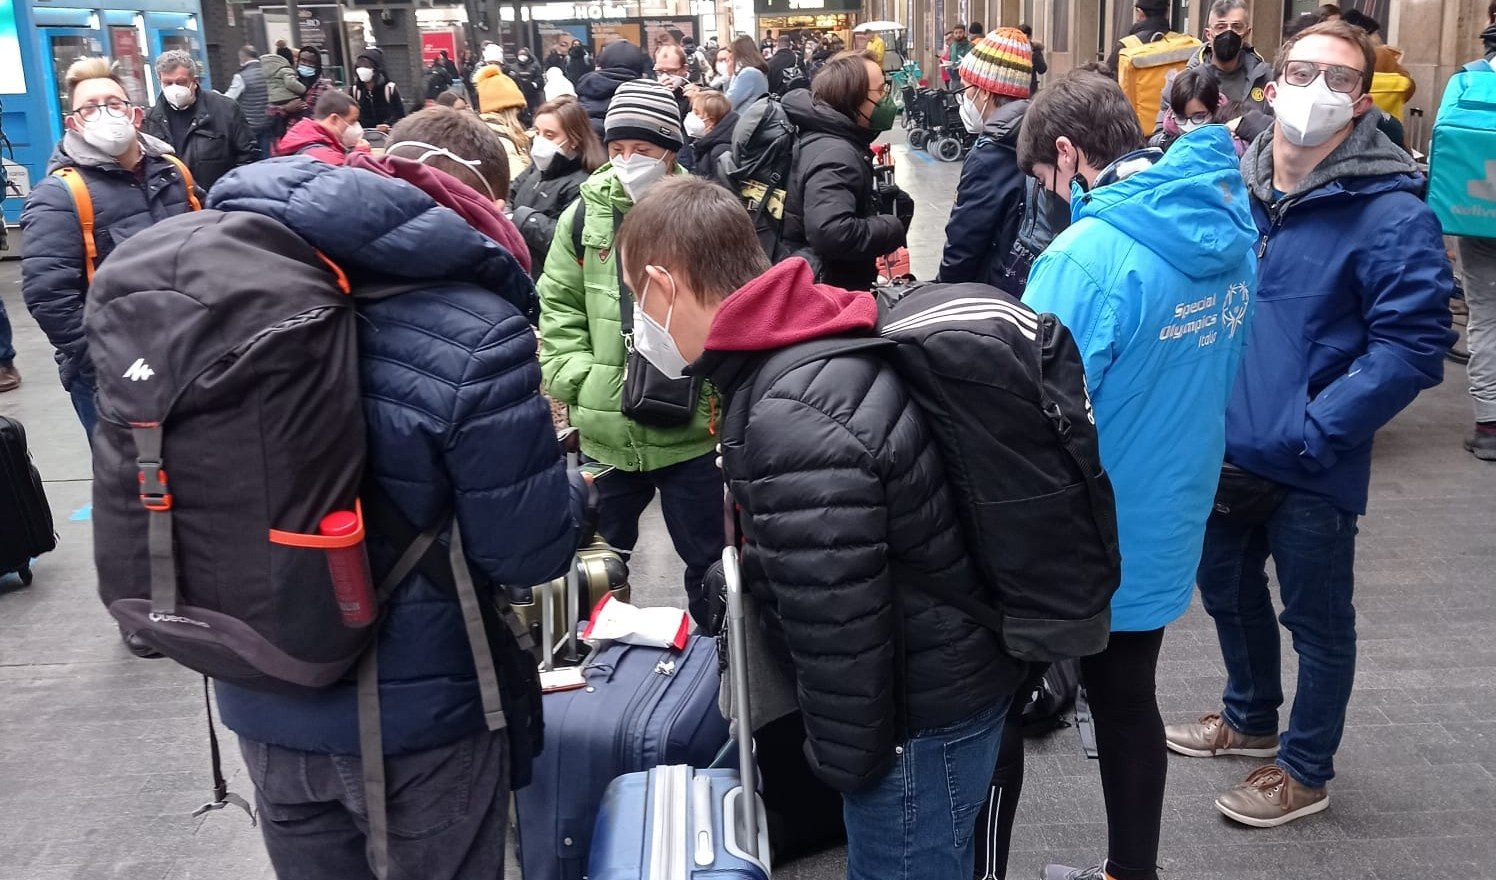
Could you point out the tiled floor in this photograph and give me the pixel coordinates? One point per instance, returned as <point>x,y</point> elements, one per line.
<point>103,757</point>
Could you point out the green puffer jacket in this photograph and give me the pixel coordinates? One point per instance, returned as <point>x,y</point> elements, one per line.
<point>582,353</point>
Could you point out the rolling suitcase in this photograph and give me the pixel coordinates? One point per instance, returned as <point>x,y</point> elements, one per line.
<point>676,822</point>
<point>25,517</point>
<point>637,707</point>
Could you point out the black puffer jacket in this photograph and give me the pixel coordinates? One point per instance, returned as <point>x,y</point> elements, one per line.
<point>845,510</point>
<point>538,200</point>
<point>52,269</point>
<point>595,93</point>
<point>708,150</point>
<point>218,138</point>
<point>831,209</point>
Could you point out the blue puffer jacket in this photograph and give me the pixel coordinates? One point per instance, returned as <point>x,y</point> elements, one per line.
<point>451,388</point>
<point>1352,316</point>
<point>1154,277</point>
<point>52,275</point>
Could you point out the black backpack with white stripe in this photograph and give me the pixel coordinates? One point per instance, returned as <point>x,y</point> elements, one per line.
<point>1004,392</point>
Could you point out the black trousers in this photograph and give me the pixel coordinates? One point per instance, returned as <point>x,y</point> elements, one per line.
<point>1130,743</point>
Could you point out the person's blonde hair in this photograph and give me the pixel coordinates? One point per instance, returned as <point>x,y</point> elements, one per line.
<point>714,105</point>
<point>508,121</point>
<point>85,69</point>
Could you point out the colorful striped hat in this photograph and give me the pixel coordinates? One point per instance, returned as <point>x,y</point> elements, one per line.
<point>1001,63</point>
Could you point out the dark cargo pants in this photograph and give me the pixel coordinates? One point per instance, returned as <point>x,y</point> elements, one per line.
<point>448,811</point>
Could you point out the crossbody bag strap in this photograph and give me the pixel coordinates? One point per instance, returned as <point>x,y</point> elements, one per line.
<point>625,295</point>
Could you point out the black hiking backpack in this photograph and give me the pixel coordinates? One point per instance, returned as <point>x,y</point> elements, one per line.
<point>757,169</point>
<point>1004,392</point>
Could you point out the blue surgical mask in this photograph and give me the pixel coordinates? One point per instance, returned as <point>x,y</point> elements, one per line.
<point>306,71</point>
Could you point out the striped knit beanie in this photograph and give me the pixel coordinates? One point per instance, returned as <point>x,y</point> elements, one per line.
<point>1001,63</point>
<point>645,110</point>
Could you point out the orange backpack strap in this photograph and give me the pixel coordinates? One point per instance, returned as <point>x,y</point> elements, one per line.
<point>192,201</point>
<point>83,204</point>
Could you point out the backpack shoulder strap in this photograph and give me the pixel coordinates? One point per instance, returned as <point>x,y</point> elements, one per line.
<point>192,200</point>
<point>83,204</point>
<point>578,223</point>
<point>1131,41</point>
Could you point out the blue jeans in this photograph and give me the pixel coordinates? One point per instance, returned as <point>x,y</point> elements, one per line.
<point>84,405</point>
<point>1313,545</point>
<point>7,340</point>
<point>918,821</point>
<point>691,502</point>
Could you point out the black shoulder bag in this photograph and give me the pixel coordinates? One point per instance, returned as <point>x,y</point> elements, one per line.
<point>649,396</point>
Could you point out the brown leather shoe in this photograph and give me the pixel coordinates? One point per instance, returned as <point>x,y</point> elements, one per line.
<point>1269,797</point>
<point>10,378</point>
<point>1211,736</point>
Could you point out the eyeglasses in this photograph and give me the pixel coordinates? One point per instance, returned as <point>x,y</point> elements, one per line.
<point>1201,118</point>
<point>116,107</point>
<point>1237,27</point>
<point>1337,76</point>
<point>881,92</point>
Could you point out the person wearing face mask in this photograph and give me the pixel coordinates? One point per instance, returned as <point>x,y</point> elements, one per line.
<point>711,123</point>
<point>748,73</point>
<point>895,697</point>
<point>330,135</point>
<point>583,350</point>
<point>526,73</point>
<point>1158,293</point>
<point>563,154</point>
<point>286,114</point>
<point>131,183</point>
<point>832,211</point>
<point>379,103</point>
<point>207,130</point>
<point>1195,100</point>
<point>1241,74</point>
<point>1352,322</point>
<point>997,73</point>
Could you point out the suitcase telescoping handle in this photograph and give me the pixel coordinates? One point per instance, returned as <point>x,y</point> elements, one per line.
<point>737,647</point>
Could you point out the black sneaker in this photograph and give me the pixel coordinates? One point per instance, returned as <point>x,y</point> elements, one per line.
<point>1482,444</point>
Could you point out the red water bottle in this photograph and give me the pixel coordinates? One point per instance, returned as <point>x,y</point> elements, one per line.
<point>349,566</point>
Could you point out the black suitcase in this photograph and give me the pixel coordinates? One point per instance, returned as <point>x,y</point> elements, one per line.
<point>25,517</point>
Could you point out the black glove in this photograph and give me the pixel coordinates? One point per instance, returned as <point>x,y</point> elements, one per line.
<point>903,208</point>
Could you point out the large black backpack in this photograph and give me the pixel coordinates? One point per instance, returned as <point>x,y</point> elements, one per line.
<point>765,146</point>
<point>230,423</point>
<point>1004,392</point>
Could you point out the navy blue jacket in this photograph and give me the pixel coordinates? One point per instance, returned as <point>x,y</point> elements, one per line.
<point>52,269</point>
<point>451,388</point>
<point>1352,315</point>
<point>989,204</point>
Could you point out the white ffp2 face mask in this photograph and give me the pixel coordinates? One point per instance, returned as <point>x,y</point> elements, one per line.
<point>111,134</point>
<point>971,117</point>
<point>654,342</point>
<point>638,172</point>
<point>1310,115</point>
<point>352,135</point>
<point>695,125</point>
<point>544,151</point>
<point>365,74</point>
<point>180,97</point>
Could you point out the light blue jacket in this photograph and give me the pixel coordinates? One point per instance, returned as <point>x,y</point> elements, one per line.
<point>1156,278</point>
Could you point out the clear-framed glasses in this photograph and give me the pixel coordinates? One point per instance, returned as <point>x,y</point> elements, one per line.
<point>119,108</point>
<point>1201,118</point>
<point>1337,76</point>
<point>1220,27</point>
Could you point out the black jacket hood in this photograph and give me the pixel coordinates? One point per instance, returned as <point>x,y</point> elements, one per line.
<point>809,114</point>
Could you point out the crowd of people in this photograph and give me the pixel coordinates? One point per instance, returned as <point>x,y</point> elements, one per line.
<point>1253,297</point>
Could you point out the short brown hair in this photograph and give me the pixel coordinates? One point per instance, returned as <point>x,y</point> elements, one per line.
<point>85,69</point>
<point>842,84</point>
<point>713,105</point>
<point>333,103</point>
<point>577,126</point>
<point>464,135</point>
<point>717,250</point>
<point>671,48</point>
<point>1339,29</point>
<point>1090,110</point>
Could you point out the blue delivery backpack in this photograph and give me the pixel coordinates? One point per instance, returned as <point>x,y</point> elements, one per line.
<point>678,822</point>
<point>1462,157</point>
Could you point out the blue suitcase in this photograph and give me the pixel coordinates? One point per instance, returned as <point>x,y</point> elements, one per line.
<point>676,822</point>
<point>642,707</point>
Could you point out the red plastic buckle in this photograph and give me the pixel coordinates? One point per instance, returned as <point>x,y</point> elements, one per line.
<point>154,494</point>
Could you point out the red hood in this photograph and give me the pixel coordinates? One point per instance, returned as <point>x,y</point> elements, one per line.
<point>307,134</point>
<point>447,190</point>
<point>784,306</point>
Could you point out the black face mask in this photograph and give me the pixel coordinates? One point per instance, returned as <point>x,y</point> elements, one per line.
<point>1226,46</point>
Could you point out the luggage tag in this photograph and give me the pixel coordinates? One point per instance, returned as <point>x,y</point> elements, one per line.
<point>567,678</point>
